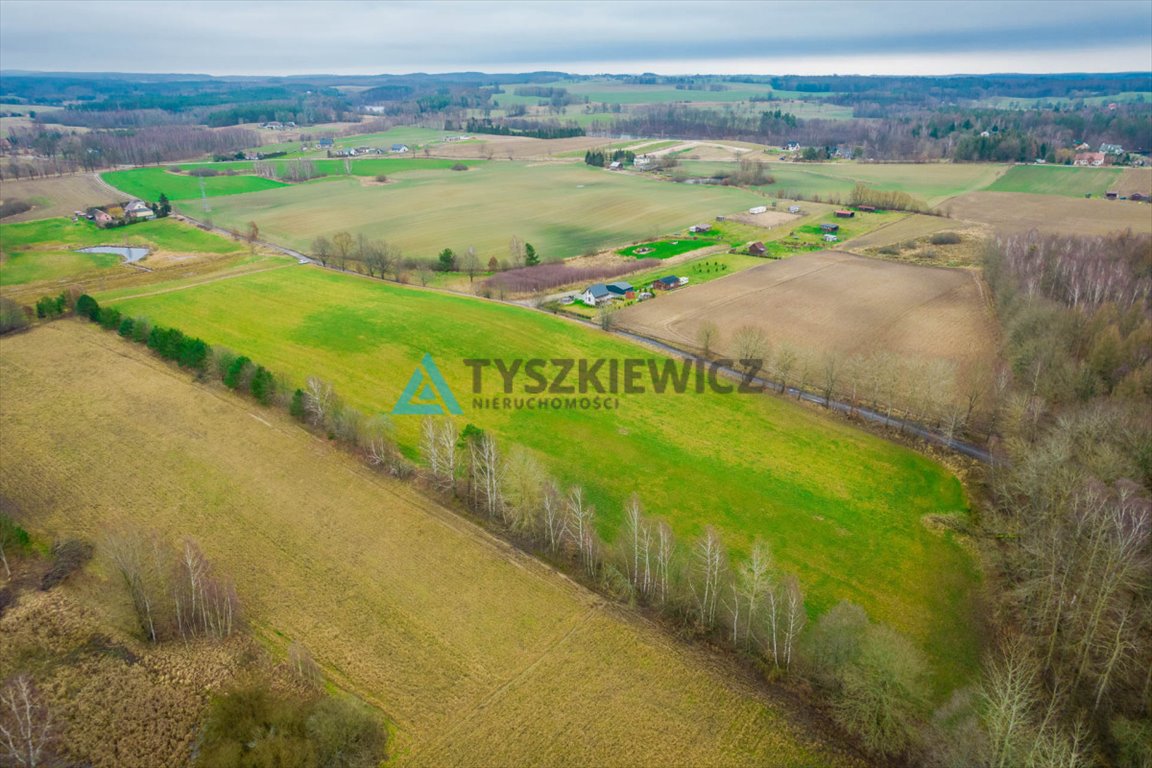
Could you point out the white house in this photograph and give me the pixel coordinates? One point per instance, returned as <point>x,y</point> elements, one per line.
<point>400,148</point>
<point>758,209</point>
<point>793,209</point>
<point>597,294</point>
<point>642,163</point>
<point>138,210</point>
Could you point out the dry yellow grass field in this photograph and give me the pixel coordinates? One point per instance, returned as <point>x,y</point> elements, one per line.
<point>834,302</point>
<point>1050,214</point>
<point>118,702</point>
<point>1135,180</point>
<point>56,196</point>
<point>479,655</point>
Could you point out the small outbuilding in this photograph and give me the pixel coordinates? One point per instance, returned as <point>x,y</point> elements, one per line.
<point>757,249</point>
<point>845,214</point>
<point>621,290</point>
<point>666,283</point>
<point>829,228</point>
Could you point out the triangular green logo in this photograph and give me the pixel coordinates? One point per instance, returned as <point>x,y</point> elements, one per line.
<point>427,394</point>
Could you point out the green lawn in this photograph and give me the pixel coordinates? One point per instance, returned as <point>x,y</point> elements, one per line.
<point>562,209</point>
<point>149,183</point>
<point>45,250</point>
<point>1057,180</point>
<point>839,507</point>
<point>664,249</point>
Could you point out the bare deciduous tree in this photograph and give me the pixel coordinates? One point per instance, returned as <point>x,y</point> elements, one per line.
<point>706,336</point>
<point>27,732</point>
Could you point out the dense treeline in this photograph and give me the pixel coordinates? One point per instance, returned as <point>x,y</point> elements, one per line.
<point>535,129</point>
<point>70,152</point>
<point>1012,135</point>
<point>1072,499</point>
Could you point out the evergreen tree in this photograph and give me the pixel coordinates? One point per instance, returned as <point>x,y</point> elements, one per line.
<point>531,258</point>
<point>235,373</point>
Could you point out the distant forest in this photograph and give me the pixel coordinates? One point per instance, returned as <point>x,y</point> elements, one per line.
<point>993,118</point>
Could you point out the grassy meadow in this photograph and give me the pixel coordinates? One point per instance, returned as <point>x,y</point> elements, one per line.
<point>841,508</point>
<point>1057,180</point>
<point>149,183</point>
<point>458,639</point>
<point>563,209</point>
<point>45,250</point>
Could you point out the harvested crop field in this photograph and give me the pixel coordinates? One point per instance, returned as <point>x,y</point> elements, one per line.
<point>1019,212</point>
<point>1135,180</point>
<point>834,302</point>
<point>910,228</point>
<point>460,640</point>
<point>56,196</point>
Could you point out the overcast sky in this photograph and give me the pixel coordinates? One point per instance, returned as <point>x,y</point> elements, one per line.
<point>230,37</point>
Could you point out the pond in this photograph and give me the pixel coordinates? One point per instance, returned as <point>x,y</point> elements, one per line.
<point>128,254</point>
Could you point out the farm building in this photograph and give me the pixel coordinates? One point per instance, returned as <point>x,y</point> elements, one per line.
<point>758,209</point>
<point>700,228</point>
<point>399,148</point>
<point>866,208</point>
<point>666,283</point>
<point>643,163</point>
<point>793,209</point>
<point>614,165</point>
<point>829,228</point>
<point>830,238</point>
<point>1137,196</point>
<point>757,249</point>
<point>1110,195</point>
<point>325,142</point>
<point>622,290</point>
<point>845,214</point>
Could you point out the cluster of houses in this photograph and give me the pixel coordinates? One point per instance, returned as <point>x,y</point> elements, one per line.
<point>328,143</point>
<point>621,290</point>
<point>276,125</point>
<point>118,215</point>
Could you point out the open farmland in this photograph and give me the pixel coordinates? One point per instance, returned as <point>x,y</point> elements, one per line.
<point>562,209</point>
<point>750,465</point>
<point>55,196</point>
<point>1135,180</point>
<point>930,182</point>
<point>1019,212</point>
<point>460,640</point>
<point>1057,180</point>
<point>149,183</point>
<point>834,302</point>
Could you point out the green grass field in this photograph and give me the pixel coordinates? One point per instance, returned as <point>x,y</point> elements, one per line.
<point>931,182</point>
<point>149,183</point>
<point>1057,180</point>
<point>45,250</point>
<point>562,209</point>
<point>665,249</point>
<point>840,507</point>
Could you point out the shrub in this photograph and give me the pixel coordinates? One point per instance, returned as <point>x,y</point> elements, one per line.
<point>380,177</point>
<point>127,327</point>
<point>262,385</point>
<point>67,558</point>
<point>235,374</point>
<point>13,207</point>
<point>203,172</point>
<point>12,317</point>
<point>459,167</point>
<point>297,408</point>
<point>141,329</point>
<point>946,238</point>
<point>193,353</point>
<point>345,734</point>
<point>86,306</point>
<point>110,318</point>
